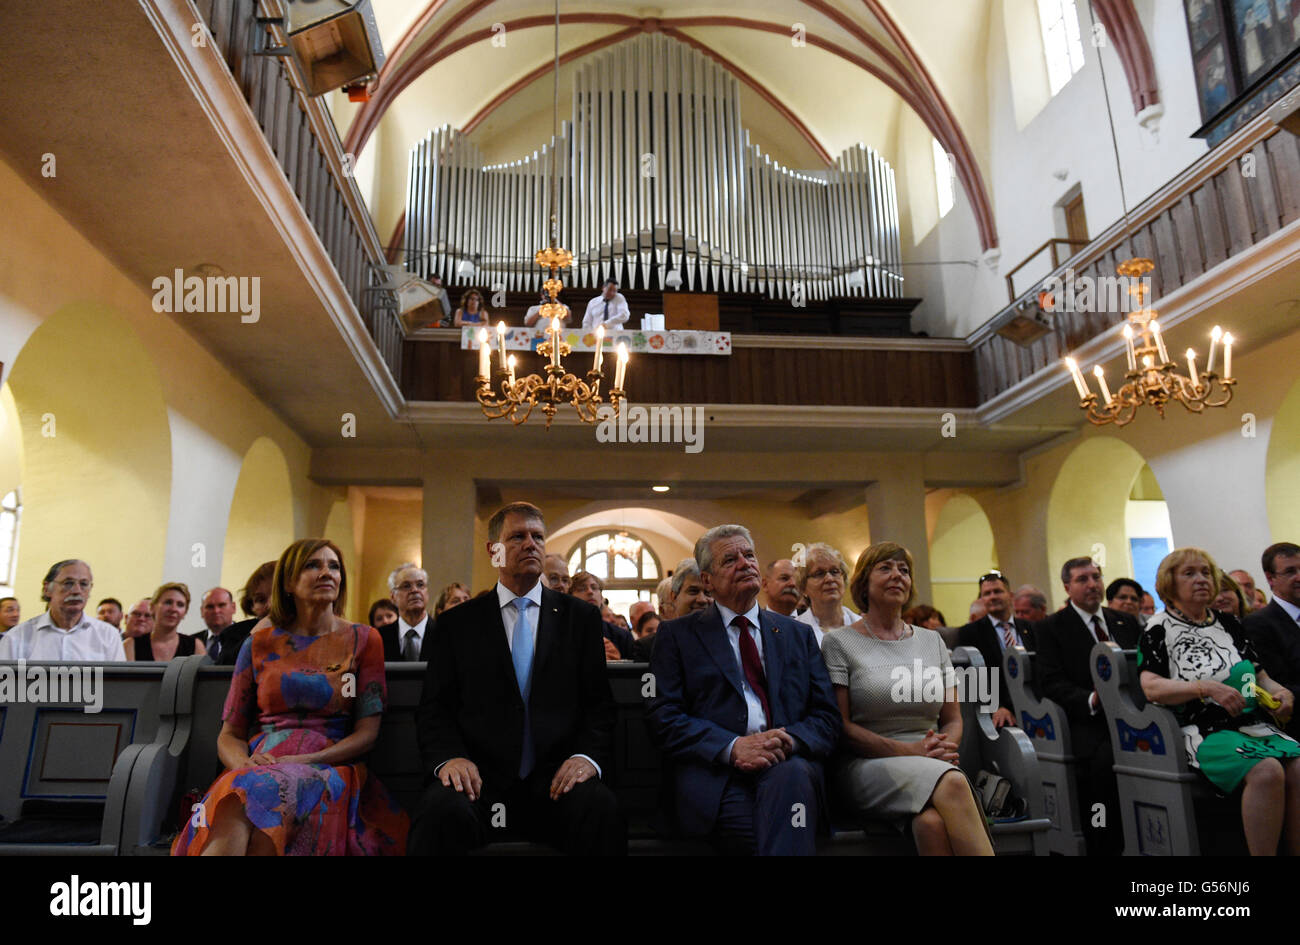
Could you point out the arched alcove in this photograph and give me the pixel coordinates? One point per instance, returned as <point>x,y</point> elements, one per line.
<point>96,453</point>
<point>339,529</point>
<point>961,549</point>
<point>1282,469</point>
<point>261,513</point>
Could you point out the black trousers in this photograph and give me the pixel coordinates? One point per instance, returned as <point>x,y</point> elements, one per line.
<point>585,822</point>
<point>1097,785</point>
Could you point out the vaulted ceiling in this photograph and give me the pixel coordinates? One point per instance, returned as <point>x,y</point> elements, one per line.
<point>816,76</point>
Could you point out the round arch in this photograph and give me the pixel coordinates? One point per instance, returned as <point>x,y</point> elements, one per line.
<point>1282,469</point>
<point>260,526</point>
<point>962,548</point>
<point>96,453</point>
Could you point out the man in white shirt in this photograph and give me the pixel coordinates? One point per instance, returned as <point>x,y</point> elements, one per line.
<point>608,309</point>
<point>409,587</point>
<point>64,632</point>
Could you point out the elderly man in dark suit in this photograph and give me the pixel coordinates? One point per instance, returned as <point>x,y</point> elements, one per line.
<point>1064,667</point>
<point>743,707</point>
<point>516,720</point>
<point>1275,628</point>
<point>998,629</point>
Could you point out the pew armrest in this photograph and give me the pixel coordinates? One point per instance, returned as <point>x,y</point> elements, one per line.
<point>1043,720</point>
<point>1148,740</point>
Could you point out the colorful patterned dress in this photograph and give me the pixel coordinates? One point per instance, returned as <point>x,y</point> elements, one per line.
<point>295,695</point>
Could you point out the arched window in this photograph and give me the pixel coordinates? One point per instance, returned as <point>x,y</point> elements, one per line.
<point>11,514</point>
<point>624,562</point>
<point>1062,46</point>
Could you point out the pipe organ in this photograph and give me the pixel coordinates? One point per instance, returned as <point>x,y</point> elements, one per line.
<point>657,185</point>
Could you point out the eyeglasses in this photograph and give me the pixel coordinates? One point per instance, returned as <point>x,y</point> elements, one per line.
<point>70,584</point>
<point>828,572</point>
<point>407,585</point>
<point>992,576</point>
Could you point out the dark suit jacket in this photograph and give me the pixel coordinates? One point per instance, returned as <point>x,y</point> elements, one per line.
<point>621,638</point>
<point>699,707</point>
<point>232,638</point>
<point>1064,668</point>
<point>982,635</point>
<point>393,643</point>
<point>471,706</point>
<point>1277,641</point>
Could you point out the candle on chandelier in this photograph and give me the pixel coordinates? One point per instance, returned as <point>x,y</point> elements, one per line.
<point>1227,356</point>
<point>501,342</point>
<point>1132,353</point>
<point>1215,335</point>
<point>1147,362</point>
<point>1191,368</point>
<point>1075,373</point>
<point>510,362</point>
<point>600,353</point>
<point>1101,382</point>
<point>622,366</point>
<point>1160,342</point>
<point>484,354</point>
<point>555,341</point>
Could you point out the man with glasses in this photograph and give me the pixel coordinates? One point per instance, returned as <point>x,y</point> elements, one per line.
<point>404,639</point>
<point>63,631</point>
<point>1275,629</point>
<point>991,634</point>
<point>139,620</point>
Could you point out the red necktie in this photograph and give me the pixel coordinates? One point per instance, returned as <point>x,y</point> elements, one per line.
<point>752,665</point>
<point>1096,626</point>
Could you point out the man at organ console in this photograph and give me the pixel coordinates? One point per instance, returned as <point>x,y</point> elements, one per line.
<point>608,309</point>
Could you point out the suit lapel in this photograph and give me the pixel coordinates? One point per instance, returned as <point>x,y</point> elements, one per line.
<point>773,653</point>
<point>548,627</point>
<point>713,637</point>
<point>498,645</point>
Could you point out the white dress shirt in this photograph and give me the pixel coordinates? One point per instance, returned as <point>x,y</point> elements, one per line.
<point>1015,631</point>
<point>810,618</point>
<point>1094,705</point>
<point>757,720</point>
<point>90,640</point>
<point>617,310</point>
<point>419,628</point>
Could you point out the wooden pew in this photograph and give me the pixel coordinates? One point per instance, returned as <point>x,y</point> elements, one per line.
<point>1045,723</point>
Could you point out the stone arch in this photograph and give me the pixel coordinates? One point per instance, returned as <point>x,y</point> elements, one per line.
<point>261,523</point>
<point>962,548</point>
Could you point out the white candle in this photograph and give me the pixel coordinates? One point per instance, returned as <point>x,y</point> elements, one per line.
<point>600,353</point>
<point>1227,356</point>
<point>1146,361</point>
<point>1191,368</point>
<point>555,341</point>
<point>1160,342</point>
<point>1132,353</point>
<point>622,366</point>
<point>1215,335</point>
<point>510,362</point>
<point>484,354</point>
<point>1078,377</point>
<point>1101,382</point>
<point>501,341</point>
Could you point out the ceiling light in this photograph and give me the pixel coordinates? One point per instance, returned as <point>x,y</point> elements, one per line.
<point>659,488</point>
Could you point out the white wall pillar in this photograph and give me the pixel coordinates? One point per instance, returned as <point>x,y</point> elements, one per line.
<point>896,512</point>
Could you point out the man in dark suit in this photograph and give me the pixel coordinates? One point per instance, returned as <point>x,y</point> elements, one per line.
<point>1064,667</point>
<point>743,707</point>
<point>1275,629</point>
<point>404,639</point>
<point>217,608</point>
<point>998,629</point>
<point>516,720</point>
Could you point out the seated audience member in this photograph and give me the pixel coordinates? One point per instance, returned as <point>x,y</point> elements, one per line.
<point>139,620</point>
<point>923,615</point>
<point>664,594</point>
<point>1029,604</point>
<point>534,733</point>
<point>1246,583</point>
<point>634,614</point>
<point>10,613</point>
<point>586,586</point>
<point>555,573</point>
<point>255,602</point>
<point>822,578</point>
<point>171,603</point>
<point>63,631</point>
<point>382,613</point>
<point>781,587</point>
<point>109,610</point>
<point>645,631</point>
<point>1148,605</point>
<point>690,593</point>
<point>452,595</point>
<point>607,613</point>
<point>977,610</point>
<point>472,310</point>
<point>1125,595</point>
<point>1230,599</point>
<point>1275,628</point>
<point>608,309</point>
<point>898,757</point>
<point>1064,669</point>
<point>444,302</point>
<point>1261,599</point>
<point>217,608</point>
<point>993,633</point>
<point>303,710</point>
<point>535,312</point>
<point>1200,664</point>
<point>403,640</point>
<point>743,709</point>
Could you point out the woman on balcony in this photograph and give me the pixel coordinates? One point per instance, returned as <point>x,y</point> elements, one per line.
<point>902,723</point>
<point>1202,665</point>
<point>472,310</point>
<point>822,579</point>
<point>170,604</point>
<point>303,709</point>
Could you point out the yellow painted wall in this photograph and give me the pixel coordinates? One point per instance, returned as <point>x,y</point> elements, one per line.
<point>1283,470</point>
<point>961,549</point>
<point>1086,511</point>
<point>11,443</point>
<point>338,529</point>
<point>392,537</point>
<point>261,513</point>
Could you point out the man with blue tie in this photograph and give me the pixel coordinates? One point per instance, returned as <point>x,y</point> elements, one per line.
<point>743,709</point>
<point>516,720</point>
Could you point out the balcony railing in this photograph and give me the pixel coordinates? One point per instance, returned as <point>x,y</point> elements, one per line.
<point>1235,196</point>
<point>301,132</point>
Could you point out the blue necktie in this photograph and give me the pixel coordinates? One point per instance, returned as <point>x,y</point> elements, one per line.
<point>521,653</point>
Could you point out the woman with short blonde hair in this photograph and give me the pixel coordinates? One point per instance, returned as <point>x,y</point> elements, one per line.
<point>169,604</point>
<point>822,577</point>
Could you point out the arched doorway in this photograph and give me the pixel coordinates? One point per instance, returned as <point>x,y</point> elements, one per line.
<point>261,513</point>
<point>625,563</point>
<point>961,549</point>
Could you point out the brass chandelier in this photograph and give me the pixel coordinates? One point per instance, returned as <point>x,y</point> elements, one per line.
<point>516,397</point>
<point>1153,378</point>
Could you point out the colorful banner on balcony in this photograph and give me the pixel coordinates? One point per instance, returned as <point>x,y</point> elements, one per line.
<point>638,342</point>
